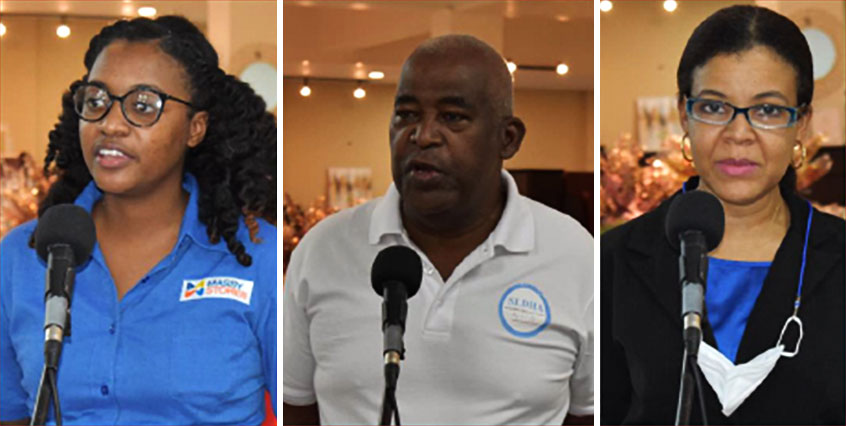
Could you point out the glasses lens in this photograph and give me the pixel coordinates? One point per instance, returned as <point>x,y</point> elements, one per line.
<point>712,111</point>
<point>91,102</point>
<point>770,116</point>
<point>142,107</point>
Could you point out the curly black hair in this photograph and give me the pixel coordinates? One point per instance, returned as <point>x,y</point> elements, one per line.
<point>235,165</point>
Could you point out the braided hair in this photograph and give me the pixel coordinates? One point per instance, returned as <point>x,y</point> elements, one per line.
<point>235,165</point>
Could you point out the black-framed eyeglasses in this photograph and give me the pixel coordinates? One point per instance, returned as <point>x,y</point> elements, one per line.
<point>141,106</point>
<point>763,116</point>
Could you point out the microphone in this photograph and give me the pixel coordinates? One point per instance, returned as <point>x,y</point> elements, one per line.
<point>695,224</point>
<point>64,238</point>
<point>396,275</point>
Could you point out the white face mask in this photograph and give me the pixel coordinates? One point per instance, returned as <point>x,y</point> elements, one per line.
<point>734,383</point>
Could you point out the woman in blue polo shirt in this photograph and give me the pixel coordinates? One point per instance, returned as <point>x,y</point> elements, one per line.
<point>174,315</point>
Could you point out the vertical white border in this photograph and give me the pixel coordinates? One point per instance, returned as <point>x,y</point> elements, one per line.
<point>280,254</point>
<point>596,224</point>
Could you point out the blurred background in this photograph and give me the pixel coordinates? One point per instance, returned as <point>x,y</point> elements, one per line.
<point>42,45</point>
<point>641,44</point>
<point>341,65</point>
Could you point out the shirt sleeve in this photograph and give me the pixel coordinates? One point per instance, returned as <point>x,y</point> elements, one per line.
<point>581,383</point>
<point>12,394</point>
<point>299,364</point>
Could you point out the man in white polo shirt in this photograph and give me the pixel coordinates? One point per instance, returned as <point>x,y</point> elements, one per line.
<point>501,330</point>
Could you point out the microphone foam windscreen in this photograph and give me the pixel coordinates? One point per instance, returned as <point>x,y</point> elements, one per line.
<point>66,224</point>
<point>696,211</point>
<point>397,263</point>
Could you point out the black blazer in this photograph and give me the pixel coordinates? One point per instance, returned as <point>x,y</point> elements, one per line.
<point>641,338</point>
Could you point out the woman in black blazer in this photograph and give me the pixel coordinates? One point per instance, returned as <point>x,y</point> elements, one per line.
<point>745,85</point>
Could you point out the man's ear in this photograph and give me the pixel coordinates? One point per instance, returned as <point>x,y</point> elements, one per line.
<point>514,131</point>
<point>197,131</point>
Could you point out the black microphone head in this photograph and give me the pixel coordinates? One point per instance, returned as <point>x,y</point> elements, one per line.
<point>397,263</point>
<point>696,211</point>
<point>66,224</point>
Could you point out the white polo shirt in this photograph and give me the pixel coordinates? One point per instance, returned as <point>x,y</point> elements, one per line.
<point>507,339</point>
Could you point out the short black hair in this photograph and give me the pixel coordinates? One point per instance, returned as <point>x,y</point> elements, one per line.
<point>738,28</point>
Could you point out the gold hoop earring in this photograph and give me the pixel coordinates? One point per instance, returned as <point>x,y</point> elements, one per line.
<point>802,158</point>
<point>683,152</point>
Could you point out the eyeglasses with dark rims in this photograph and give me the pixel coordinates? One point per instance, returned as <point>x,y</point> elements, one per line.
<point>763,116</point>
<point>141,106</point>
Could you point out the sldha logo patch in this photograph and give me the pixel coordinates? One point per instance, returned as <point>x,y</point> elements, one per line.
<point>523,310</point>
<point>217,288</point>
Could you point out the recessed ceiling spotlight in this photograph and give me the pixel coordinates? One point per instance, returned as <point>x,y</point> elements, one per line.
<point>605,5</point>
<point>376,75</point>
<point>147,11</point>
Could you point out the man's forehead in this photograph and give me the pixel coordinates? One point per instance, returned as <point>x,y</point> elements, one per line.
<point>442,80</point>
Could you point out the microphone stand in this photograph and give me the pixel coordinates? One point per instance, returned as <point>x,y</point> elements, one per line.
<point>389,400</point>
<point>693,267</point>
<point>691,348</point>
<point>60,278</point>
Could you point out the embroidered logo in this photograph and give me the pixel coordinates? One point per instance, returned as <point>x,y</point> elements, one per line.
<point>523,310</point>
<point>217,288</point>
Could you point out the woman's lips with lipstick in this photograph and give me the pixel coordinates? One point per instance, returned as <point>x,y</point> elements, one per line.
<point>737,167</point>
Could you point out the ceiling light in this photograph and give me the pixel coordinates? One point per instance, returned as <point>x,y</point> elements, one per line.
<point>2,30</point>
<point>63,31</point>
<point>511,66</point>
<point>305,91</point>
<point>562,69</point>
<point>359,92</point>
<point>376,75</point>
<point>147,11</point>
<point>605,5</point>
<point>670,5</point>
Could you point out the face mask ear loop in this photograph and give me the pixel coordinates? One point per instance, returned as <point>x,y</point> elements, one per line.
<point>795,317</point>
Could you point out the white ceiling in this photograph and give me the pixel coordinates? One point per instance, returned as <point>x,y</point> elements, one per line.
<point>347,39</point>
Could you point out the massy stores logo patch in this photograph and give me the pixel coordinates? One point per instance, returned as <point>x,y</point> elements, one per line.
<point>217,288</point>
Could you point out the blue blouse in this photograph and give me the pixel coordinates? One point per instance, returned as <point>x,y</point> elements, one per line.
<point>194,342</point>
<point>733,287</point>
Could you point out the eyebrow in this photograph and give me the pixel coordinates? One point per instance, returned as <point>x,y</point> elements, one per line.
<point>457,101</point>
<point>405,99</point>
<point>131,88</point>
<point>770,94</point>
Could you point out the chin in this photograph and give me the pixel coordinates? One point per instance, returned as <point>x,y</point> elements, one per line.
<point>430,203</point>
<point>740,193</point>
<point>114,183</point>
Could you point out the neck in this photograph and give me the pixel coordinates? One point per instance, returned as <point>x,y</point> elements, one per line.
<point>159,209</point>
<point>455,230</point>
<point>753,231</point>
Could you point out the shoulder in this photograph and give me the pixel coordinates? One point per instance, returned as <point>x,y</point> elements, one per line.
<point>346,227</point>
<point>265,243</point>
<point>650,223</point>
<point>562,228</point>
<point>17,240</point>
<point>831,225</point>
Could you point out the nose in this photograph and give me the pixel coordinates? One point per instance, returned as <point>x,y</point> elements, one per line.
<point>114,123</point>
<point>427,133</point>
<point>740,130</point>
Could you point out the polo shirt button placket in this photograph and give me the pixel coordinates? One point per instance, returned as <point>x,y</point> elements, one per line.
<point>104,390</point>
<point>112,329</point>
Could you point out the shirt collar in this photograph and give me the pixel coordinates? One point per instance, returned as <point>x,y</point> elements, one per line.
<point>191,226</point>
<point>515,231</point>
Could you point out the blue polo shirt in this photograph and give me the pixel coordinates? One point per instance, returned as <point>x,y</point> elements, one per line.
<point>193,342</point>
